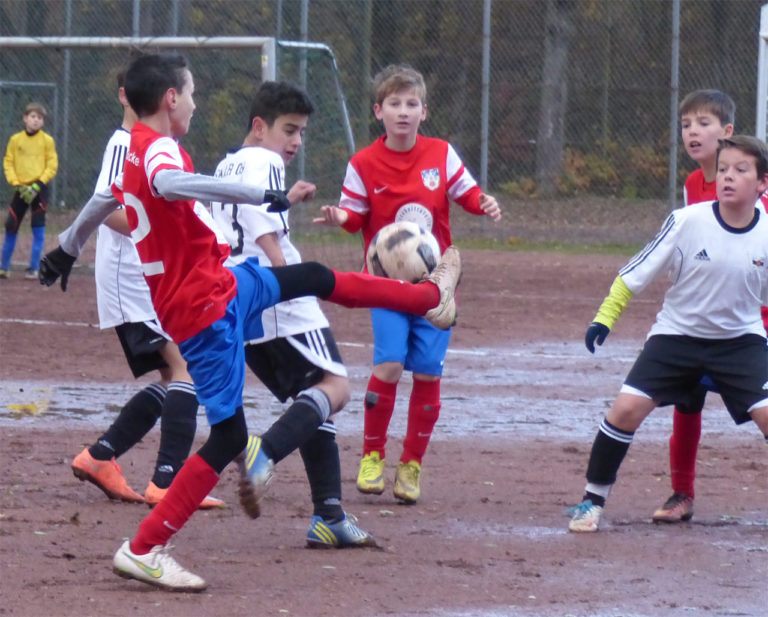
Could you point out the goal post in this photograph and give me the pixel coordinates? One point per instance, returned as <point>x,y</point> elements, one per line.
<point>227,71</point>
<point>264,43</point>
<point>762,75</point>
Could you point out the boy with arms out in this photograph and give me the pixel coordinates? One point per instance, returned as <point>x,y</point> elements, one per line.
<point>124,303</point>
<point>210,310</point>
<point>709,325</point>
<point>30,163</point>
<point>403,176</point>
<point>297,356</point>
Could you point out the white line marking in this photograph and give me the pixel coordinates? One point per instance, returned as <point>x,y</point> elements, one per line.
<point>41,322</point>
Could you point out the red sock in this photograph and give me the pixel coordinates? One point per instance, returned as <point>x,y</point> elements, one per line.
<point>423,411</point>
<point>379,406</point>
<point>683,445</point>
<point>192,484</point>
<point>358,290</point>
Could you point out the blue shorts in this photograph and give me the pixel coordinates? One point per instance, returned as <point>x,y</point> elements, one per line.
<point>215,356</point>
<point>410,340</point>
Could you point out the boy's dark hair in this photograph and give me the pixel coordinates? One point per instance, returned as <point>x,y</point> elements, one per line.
<point>397,77</point>
<point>150,76</point>
<point>713,101</point>
<point>36,107</point>
<point>277,98</point>
<point>751,146</point>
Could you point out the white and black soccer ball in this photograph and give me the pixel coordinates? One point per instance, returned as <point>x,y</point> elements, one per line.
<point>403,251</point>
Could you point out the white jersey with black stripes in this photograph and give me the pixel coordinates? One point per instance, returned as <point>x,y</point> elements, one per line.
<point>718,274</point>
<point>242,225</point>
<point>122,294</point>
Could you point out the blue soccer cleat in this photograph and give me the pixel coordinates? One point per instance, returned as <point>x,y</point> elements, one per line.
<point>344,534</point>
<point>256,471</point>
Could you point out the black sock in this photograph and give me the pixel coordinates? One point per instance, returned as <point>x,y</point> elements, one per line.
<point>226,440</point>
<point>178,423</point>
<point>295,426</point>
<point>320,454</point>
<point>596,499</point>
<point>134,421</point>
<point>608,451</point>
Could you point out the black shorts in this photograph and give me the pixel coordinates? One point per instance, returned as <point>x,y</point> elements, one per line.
<point>670,367</point>
<point>285,370</point>
<point>19,208</point>
<point>141,346</point>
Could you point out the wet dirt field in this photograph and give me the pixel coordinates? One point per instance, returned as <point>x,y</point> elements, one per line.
<point>521,402</point>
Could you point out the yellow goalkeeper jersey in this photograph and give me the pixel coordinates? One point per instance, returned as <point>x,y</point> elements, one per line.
<point>29,158</point>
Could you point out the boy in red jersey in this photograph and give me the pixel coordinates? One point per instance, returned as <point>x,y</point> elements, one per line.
<point>705,117</point>
<point>209,310</point>
<point>403,176</point>
<point>709,326</point>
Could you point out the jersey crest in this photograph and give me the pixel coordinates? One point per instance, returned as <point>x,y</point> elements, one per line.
<point>431,178</point>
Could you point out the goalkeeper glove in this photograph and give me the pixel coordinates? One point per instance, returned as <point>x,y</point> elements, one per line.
<point>57,263</point>
<point>277,200</point>
<point>596,333</point>
<point>30,192</point>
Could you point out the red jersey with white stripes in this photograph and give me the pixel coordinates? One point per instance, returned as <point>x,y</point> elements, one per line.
<point>383,186</point>
<point>180,254</point>
<point>696,189</point>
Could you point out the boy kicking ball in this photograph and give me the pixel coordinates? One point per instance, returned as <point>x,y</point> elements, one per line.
<point>709,324</point>
<point>210,310</point>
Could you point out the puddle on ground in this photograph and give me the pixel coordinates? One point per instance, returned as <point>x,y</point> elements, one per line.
<point>526,391</point>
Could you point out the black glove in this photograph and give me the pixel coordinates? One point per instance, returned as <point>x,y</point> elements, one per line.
<point>55,264</point>
<point>277,200</point>
<point>596,332</point>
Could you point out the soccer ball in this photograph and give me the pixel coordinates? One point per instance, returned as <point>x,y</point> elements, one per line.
<point>403,251</point>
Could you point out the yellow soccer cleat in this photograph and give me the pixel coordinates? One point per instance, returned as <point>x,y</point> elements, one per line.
<point>408,482</point>
<point>370,479</point>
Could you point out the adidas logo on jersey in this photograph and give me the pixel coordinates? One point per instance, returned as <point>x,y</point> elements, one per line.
<point>702,255</point>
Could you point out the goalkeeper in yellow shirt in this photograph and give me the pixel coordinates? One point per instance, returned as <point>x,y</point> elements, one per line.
<point>30,163</point>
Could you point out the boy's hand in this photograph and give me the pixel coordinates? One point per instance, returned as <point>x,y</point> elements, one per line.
<point>301,191</point>
<point>596,333</point>
<point>490,206</point>
<point>332,216</point>
<point>29,192</point>
<point>55,264</point>
<point>277,200</point>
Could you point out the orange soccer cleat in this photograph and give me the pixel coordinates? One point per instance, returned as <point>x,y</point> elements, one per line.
<point>107,475</point>
<point>154,494</point>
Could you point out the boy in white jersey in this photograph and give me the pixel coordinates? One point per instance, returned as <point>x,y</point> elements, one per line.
<point>297,356</point>
<point>709,324</point>
<point>124,303</point>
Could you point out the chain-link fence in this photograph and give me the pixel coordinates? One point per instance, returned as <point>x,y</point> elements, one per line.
<point>581,86</point>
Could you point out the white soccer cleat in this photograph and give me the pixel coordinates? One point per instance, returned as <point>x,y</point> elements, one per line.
<point>585,517</point>
<point>156,568</point>
<point>446,276</point>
